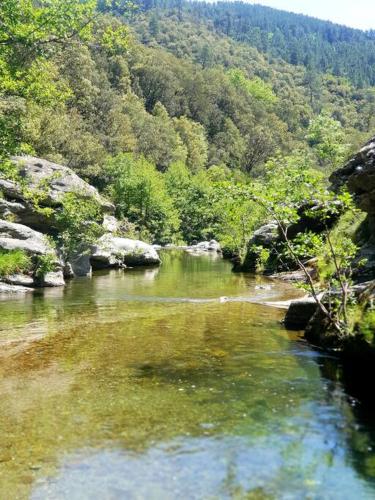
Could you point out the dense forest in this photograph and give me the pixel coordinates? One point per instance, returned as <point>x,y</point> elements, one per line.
<point>162,106</point>
<point>297,39</point>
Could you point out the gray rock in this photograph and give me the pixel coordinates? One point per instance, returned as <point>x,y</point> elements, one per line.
<point>208,246</point>
<point>80,264</point>
<point>110,223</point>
<point>300,313</point>
<point>20,280</point>
<point>5,288</point>
<point>266,235</point>
<point>11,209</point>
<point>56,180</point>
<point>68,270</point>
<point>111,251</point>
<point>359,176</point>
<point>53,279</point>
<point>17,236</point>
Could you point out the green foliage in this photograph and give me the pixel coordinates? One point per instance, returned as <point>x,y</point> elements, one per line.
<point>255,87</point>
<point>327,138</point>
<point>9,170</point>
<point>193,137</point>
<point>29,33</point>
<point>14,261</point>
<point>238,216</point>
<point>289,183</point>
<point>342,238</point>
<point>295,38</point>
<point>44,264</point>
<point>140,195</point>
<point>367,325</point>
<point>79,220</point>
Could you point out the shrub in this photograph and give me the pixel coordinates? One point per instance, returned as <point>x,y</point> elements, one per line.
<point>45,264</point>
<point>80,220</point>
<point>14,261</point>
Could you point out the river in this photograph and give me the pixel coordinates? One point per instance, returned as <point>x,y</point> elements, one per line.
<point>172,383</point>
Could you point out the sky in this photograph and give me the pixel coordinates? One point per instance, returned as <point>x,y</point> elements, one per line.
<point>354,13</point>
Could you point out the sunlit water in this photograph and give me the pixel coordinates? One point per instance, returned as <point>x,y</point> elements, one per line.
<point>172,383</point>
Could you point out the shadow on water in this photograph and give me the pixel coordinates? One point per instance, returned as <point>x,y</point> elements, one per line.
<point>119,395</point>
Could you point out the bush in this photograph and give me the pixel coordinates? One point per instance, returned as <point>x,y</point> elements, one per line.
<point>14,261</point>
<point>80,220</point>
<point>45,264</point>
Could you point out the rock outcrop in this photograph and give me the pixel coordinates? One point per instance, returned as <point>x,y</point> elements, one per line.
<point>359,177</point>
<point>266,236</point>
<point>300,313</point>
<point>112,251</point>
<point>52,182</point>
<point>19,237</point>
<point>26,226</point>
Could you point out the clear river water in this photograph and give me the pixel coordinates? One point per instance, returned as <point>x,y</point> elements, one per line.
<point>173,383</point>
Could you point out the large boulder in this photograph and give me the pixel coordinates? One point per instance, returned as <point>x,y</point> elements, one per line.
<point>51,180</point>
<point>300,313</point>
<point>266,236</point>
<point>112,251</point>
<point>79,265</point>
<point>359,177</point>
<point>56,181</point>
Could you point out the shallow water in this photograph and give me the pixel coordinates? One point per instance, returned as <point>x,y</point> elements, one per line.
<point>172,383</point>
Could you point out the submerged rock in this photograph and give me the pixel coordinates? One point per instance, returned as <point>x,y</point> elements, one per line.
<point>112,251</point>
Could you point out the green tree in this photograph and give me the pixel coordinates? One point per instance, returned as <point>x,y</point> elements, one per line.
<point>140,195</point>
<point>29,33</point>
<point>327,138</point>
<point>193,136</point>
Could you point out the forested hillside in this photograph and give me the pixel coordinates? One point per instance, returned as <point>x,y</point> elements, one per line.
<point>297,39</point>
<point>158,106</point>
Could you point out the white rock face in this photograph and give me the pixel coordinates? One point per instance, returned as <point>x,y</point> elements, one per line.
<point>112,251</point>
<point>20,280</point>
